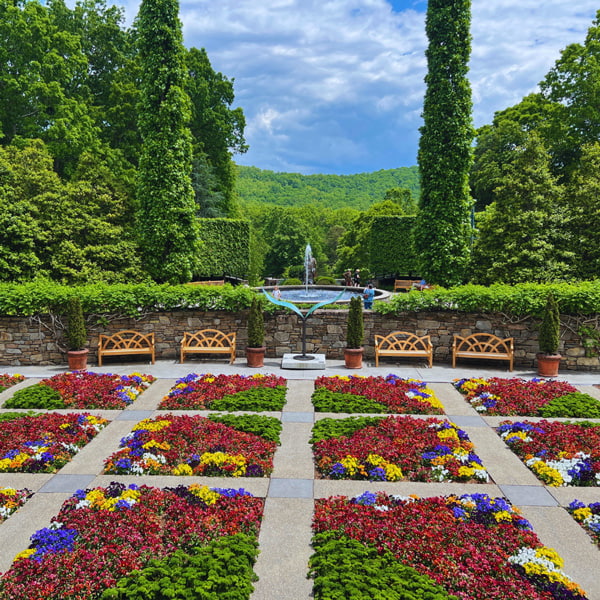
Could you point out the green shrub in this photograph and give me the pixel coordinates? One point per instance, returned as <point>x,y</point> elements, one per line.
<point>292,281</point>
<point>221,570</point>
<point>268,428</point>
<point>355,328</point>
<point>325,400</point>
<point>269,399</point>
<point>11,416</point>
<point>324,280</point>
<point>575,405</point>
<point>256,324</point>
<point>76,333</point>
<point>345,569</point>
<point>549,336</point>
<point>37,395</point>
<point>325,429</point>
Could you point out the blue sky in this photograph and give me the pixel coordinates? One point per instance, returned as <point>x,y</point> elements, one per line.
<point>336,86</point>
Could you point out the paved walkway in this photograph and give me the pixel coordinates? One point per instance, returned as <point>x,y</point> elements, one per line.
<point>290,491</point>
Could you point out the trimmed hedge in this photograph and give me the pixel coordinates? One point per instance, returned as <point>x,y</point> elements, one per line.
<point>391,247</point>
<point>517,300</point>
<point>227,247</point>
<point>37,395</point>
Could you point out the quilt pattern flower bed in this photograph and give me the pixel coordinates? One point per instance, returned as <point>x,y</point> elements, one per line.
<point>588,516</point>
<point>395,448</point>
<point>11,499</point>
<point>390,394</point>
<point>102,534</point>
<point>45,443</point>
<point>82,390</point>
<point>192,445</point>
<point>560,454</point>
<point>7,381</point>
<point>226,392</point>
<point>515,396</point>
<point>475,547</point>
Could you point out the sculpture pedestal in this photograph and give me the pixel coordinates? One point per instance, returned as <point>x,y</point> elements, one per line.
<point>310,361</point>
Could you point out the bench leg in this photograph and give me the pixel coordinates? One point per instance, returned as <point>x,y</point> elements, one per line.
<point>376,358</point>
<point>99,358</point>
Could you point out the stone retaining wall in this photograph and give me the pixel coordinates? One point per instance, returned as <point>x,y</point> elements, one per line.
<point>30,341</point>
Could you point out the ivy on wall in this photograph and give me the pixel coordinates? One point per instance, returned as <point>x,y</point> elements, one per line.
<point>391,247</point>
<point>226,248</point>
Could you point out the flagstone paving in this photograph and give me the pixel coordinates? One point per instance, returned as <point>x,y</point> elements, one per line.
<point>290,491</point>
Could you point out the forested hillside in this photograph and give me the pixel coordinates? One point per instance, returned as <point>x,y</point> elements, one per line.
<point>258,186</point>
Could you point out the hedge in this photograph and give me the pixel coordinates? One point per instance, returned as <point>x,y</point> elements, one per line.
<point>391,248</point>
<point>227,243</point>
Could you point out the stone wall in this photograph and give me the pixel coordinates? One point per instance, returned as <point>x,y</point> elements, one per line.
<point>30,341</point>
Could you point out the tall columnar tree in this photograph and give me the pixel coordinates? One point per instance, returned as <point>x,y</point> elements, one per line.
<point>166,221</point>
<point>443,228</point>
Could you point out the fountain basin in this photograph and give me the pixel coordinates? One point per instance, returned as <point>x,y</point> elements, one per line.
<point>319,293</point>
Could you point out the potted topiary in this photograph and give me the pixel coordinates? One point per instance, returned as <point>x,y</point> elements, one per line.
<point>76,335</point>
<point>548,359</point>
<point>255,351</point>
<point>353,352</point>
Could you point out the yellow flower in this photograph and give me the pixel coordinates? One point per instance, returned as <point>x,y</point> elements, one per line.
<point>150,425</point>
<point>8,491</point>
<point>183,469</point>
<point>203,492</point>
<point>393,472</point>
<point>502,515</point>
<point>25,554</point>
<point>582,514</point>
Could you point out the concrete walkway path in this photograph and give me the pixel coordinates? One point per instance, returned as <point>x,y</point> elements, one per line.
<point>290,491</point>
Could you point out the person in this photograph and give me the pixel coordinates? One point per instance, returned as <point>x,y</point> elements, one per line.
<point>348,278</point>
<point>422,285</point>
<point>357,278</point>
<point>368,295</point>
<point>276,293</point>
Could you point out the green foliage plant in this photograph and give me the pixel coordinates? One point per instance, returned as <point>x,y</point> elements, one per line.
<point>345,569</point>
<point>549,335</point>
<point>576,405</point>
<point>590,339</point>
<point>442,234</point>
<point>325,429</point>
<point>259,399</point>
<point>256,324</point>
<point>228,240</point>
<point>35,396</point>
<point>220,570</point>
<point>325,400</point>
<point>11,416</point>
<point>392,245</point>
<point>292,281</point>
<point>76,332</point>
<point>355,328</point>
<point>266,427</point>
<point>324,280</point>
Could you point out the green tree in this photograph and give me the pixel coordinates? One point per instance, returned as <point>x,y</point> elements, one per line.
<point>583,202</point>
<point>403,197</point>
<point>217,129</point>
<point>523,234</point>
<point>442,233</point>
<point>166,219</point>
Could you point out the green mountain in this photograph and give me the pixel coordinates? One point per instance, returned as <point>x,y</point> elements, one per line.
<point>258,186</point>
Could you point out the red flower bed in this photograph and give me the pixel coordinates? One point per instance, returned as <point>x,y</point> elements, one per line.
<point>85,389</point>
<point>498,396</point>
<point>102,534</point>
<point>191,445</point>
<point>397,394</point>
<point>401,448</point>
<point>198,392</point>
<point>7,381</point>
<point>558,453</point>
<point>11,499</point>
<point>45,443</point>
<point>475,546</point>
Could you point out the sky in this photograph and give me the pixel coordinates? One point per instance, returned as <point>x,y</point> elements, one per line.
<point>337,86</point>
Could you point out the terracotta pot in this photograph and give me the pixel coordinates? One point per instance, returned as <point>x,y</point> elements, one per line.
<point>77,359</point>
<point>548,364</point>
<point>353,358</point>
<point>255,357</point>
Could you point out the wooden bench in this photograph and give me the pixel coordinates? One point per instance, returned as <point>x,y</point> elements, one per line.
<point>483,345</point>
<point>125,342</point>
<point>405,285</point>
<point>208,341</point>
<point>403,343</point>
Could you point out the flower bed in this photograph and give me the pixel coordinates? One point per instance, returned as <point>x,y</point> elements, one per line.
<point>7,381</point>
<point>226,392</point>
<point>560,454</point>
<point>10,500</point>
<point>102,534</point>
<point>474,546</point>
<point>191,445</point>
<point>588,516</point>
<point>45,443</point>
<point>498,396</point>
<point>389,394</point>
<point>82,389</point>
<point>395,448</point>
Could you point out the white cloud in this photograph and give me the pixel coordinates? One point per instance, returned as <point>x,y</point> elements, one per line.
<point>337,85</point>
